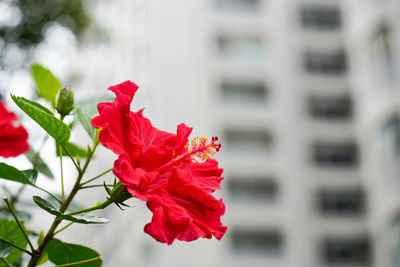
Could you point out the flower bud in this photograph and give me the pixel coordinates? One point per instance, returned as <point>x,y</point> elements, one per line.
<point>65,101</point>
<point>118,194</point>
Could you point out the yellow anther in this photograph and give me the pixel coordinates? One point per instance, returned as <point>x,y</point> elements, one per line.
<point>200,149</point>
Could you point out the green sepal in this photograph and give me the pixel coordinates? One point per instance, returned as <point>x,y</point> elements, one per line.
<point>65,101</point>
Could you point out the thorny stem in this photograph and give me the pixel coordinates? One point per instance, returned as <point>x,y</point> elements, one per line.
<point>64,205</point>
<point>18,222</point>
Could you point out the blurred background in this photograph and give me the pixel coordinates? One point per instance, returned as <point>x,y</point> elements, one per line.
<point>304,95</point>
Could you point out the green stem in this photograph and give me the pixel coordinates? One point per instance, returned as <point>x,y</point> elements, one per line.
<point>96,207</point>
<point>80,262</point>
<point>95,185</point>
<point>16,246</point>
<point>18,222</point>
<point>64,205</point>
<point>62,229</point>
<point>5,261</point>
<point>96,177</point>
<point>62,173</point>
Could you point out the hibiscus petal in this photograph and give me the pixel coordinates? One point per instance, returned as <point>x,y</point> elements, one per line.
<point>155,167</point>
<point>206,174</point>
<point>136,179</point>
<point>124,91</point>
<point>127,132</point>
<point>168,219</point>
<point>114,119</point>
<point>187,202</point>
<point>13,139</point>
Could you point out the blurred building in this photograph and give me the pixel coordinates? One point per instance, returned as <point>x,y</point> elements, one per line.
<point>305,96</point>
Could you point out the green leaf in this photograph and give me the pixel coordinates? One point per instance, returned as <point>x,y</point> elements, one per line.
<point>31,174</point>
<point>53,126</point>
<point>12,174</point>
<point>41,238</point>
<point>4,261</point>
<point>47,84</point>
<point>5,249</point>
<point>81,218</point>
<point>10,231</point>
<point>64,253</point>
<point>85,120</point>
<point>43,259</point>
<point>23,215</point>
<point>39,106</point>
<point>39,164</point>
<point>73,150</point>
<point>86,109</point>
<point>73,206</point>
<point>89,106</point>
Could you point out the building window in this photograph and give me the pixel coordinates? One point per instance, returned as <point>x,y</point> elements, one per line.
<point>341,202</point>
<point>337,108</point>
<point>242,6</point>
<point>256,241</point>
<point>243,92</point>
<point>320,17</point>
<point>325,63</point>
<point>389,139</point>
<point>393,240</point>
<point>346,251</point>
<point>243,48</point>
<point>254,189</point>
<point>335,154</point>
<point>247,139</point>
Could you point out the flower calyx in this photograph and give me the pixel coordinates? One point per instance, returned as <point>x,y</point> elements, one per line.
<point>118,194</point>
<point>65,101</point>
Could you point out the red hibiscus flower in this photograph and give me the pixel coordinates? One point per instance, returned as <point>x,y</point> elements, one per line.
<point>175,177</point>
<point>13,139</point>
